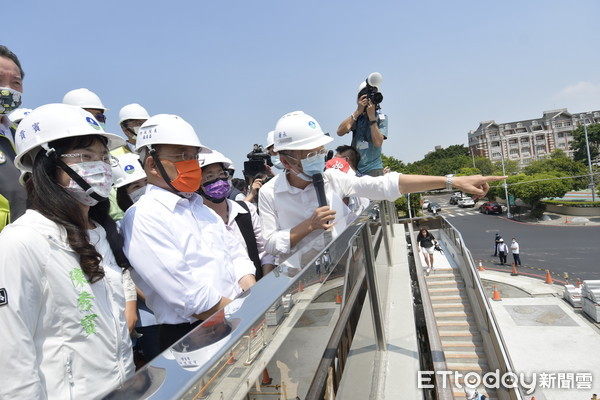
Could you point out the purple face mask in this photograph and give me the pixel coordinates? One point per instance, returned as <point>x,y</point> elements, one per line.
<point>216,190</point>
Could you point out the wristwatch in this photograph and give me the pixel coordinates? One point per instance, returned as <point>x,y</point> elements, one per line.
<point>449,182</point>
<point>372,122</point>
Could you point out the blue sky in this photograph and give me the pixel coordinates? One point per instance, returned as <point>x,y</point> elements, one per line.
<point>232,68</point>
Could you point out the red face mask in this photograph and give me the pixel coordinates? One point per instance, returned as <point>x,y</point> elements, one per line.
<point>189,175</point>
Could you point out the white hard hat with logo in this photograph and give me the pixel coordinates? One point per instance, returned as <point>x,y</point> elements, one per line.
<point>17,115</point>
<point>83,98</point>
<point>167,129</point>
<point>51,122</point>
<point>213,158</point>
<point>299,131</point>
<point>270,139</point>
<point>132,111</point>
<point>127,170</point>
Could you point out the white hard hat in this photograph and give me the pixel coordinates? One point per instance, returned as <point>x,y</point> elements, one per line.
<point>270,139</point>
<point>167,129</point>
<point>51,122</point>
<point>127,170</point>
<point>132,111</point>
<point>299,131</point>
<point>374,79</point>
<point>213,158</point>
<point>17,115</point>
<point>83,98</point>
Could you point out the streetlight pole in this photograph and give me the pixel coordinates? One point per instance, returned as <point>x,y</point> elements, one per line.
<point>508,214</point>
<point>587,145</point>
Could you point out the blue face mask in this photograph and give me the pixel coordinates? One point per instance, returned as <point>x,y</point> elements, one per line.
<point>277,162</point>
<point>311,166</point>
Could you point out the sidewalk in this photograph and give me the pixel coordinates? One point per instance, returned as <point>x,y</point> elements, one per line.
<point>561,220</point>
<point>547,337</point>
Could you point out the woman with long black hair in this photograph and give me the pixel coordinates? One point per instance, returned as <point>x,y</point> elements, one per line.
<point>64,333</point>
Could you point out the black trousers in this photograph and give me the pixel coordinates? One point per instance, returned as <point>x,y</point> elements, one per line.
<point>502,256</point>
<point>169,334</point>
<point>517,259</point>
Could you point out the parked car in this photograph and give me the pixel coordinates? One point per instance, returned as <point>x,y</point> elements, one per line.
<point>466,202</point>
<point>425,205</point>
<point>434,208</point>
<point>490,207</point>
<point>455,197</point>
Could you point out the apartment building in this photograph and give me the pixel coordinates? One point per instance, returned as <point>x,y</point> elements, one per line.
<point>528,140</point>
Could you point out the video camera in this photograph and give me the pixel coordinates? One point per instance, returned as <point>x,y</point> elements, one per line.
<point>257,159</point>
<point>373,81</point>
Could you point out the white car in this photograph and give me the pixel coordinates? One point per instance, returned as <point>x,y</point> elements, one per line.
<point>425,204</point>
<point>466,202</point>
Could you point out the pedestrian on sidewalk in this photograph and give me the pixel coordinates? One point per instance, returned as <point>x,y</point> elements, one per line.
<point>514,248</point>
<point>496,241</point>
<point>425,245</point>
<point>502,250</point>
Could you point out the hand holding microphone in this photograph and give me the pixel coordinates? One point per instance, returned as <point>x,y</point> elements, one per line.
<point>322,217</point>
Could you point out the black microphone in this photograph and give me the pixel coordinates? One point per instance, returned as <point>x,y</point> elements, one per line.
<point>320,189</point>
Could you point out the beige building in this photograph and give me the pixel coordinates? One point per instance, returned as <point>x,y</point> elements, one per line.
<point>528,140</point>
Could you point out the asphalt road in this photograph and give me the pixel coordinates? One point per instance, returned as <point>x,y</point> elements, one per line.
<point>571,249</point>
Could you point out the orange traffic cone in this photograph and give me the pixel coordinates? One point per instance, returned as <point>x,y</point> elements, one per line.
<point>231,359</point>
<point>566,220</point>
<point>514,270</point>
<point>578,283</point>
<point>338,298</point>
<point>266,379</point>
<point>496,294</point>
<point>480,268</point>
<point>548,278</point>
<point>300,286</point>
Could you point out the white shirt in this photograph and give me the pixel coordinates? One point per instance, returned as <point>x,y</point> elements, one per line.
<point>283,206</point>
<point>233,210</point>
<point>184,258</point>
<point>514,247</point>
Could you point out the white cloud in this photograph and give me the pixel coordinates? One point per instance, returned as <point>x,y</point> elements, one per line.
<point>580,96</point>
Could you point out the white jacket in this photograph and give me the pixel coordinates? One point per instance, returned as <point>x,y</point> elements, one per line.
<point>60,337</point>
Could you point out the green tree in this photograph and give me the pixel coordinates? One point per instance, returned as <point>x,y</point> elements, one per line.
<point>415,205</point>
<point>511,167</point>
<point>560,164</point>
<point>533,188</point>
<point>393,163</point>
<point>578,144</point>
<point>484,165</point>
<point>468,171</point>
<point>442,161</point>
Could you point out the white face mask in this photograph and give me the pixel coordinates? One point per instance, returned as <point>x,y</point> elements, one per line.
<point>137,193</point>
<point>97,174</point>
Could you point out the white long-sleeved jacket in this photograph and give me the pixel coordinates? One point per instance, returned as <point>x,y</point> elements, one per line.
<point>60,336</point>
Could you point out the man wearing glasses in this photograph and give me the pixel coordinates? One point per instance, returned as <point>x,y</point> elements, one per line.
<point>288,203</point>
<point>185,261</point>
<point>89,101</point>
<point>12,195</point>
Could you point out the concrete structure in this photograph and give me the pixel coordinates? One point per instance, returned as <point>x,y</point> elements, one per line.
<point>528,140</point>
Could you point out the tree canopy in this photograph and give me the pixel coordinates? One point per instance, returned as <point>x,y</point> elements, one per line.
<point>579,146</point>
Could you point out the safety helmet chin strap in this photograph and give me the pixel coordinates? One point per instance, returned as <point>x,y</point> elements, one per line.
<point>162,171</point>
<point>50,152</point>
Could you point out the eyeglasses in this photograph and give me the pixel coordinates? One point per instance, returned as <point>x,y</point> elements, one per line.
<point>90,157</point>
<point>185,156</point>
<point>321,153</point>
<point>212,176</point>
<point>100,117</point>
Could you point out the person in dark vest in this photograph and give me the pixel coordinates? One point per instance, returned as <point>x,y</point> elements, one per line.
<point>240,217</point>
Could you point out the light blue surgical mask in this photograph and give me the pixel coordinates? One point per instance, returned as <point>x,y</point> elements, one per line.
<point>311,166</point>
<point>277,162</point>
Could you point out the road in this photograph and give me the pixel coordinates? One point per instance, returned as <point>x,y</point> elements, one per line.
<point>571,249</point>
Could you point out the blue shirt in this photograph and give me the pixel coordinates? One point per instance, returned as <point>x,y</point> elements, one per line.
<point>370,156</point>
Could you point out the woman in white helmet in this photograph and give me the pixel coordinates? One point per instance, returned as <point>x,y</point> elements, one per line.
<point>288,203</point>
<point>129,179</point>
<point>240,217</point>
<point>62,304</point>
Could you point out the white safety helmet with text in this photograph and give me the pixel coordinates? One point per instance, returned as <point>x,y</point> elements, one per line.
<point>83,98</point>
<point>17,115</point>
<point>299,131</point>
<point>127,170</point>
<point>52,122</point>
<point>270,139</point>
<point>132,111</point>
<point>214,157</point>
<point>167,129</point>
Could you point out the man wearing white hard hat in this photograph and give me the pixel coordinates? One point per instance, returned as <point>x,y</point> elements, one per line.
<point>288,203</point>
<point>369,126</point>
<point>185,261</point>
<point>131,118</point>
<point>12,195</point>
<point>89,101</point>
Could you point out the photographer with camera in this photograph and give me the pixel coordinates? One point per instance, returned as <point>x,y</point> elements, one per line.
<point>257,171</point>
<point>369,126</point>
